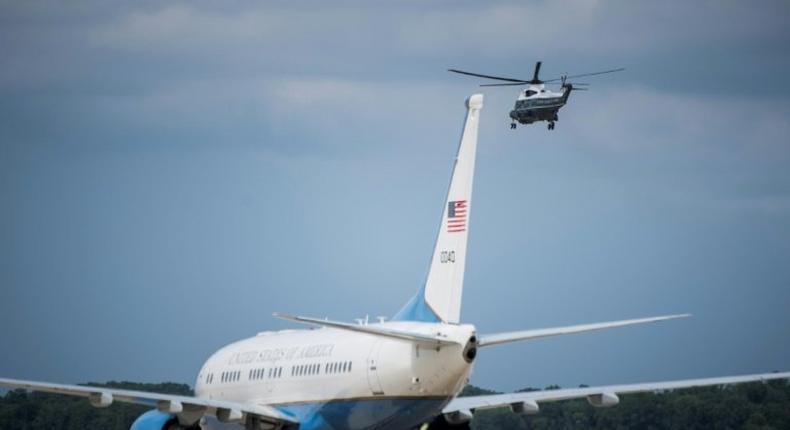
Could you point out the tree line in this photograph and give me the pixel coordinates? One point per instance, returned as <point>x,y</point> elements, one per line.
<point>752,406</point>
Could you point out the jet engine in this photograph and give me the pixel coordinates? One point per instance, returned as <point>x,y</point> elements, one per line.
<point>155,420</point>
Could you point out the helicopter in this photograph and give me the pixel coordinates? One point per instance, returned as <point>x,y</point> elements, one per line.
<point>536,103</point>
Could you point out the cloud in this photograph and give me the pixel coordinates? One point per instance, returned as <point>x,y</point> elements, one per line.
<point>634,117</point>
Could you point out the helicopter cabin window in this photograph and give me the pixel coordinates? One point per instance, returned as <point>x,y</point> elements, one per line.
<point>528,93</point>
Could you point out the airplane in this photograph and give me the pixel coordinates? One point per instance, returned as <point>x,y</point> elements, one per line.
<point>405,373</point>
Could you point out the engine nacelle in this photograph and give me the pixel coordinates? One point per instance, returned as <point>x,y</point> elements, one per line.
<point>100,399</point>
<point>603,400</point>
<point>459,417</point>
<point>152,420</point>
<point>529,407</point>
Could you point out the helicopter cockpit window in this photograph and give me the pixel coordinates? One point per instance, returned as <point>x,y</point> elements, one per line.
<point>528,93</point>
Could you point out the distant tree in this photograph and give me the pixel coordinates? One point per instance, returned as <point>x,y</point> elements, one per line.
<point>754,406</point>
<point>42,411</point>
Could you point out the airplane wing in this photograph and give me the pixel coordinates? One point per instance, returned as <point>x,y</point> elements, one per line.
<point>513,336</point>
<point>528,402</point>
<point>187,408</point>
<point>372,329</point>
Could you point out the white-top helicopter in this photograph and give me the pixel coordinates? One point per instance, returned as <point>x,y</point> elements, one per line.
<point>536,103</point>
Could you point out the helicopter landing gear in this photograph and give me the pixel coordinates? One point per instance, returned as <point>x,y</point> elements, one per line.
<point>551,125</point>
<point>513,125</point>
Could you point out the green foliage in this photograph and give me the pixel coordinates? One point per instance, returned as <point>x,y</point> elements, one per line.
<point>754,406</point>
<point>20,410</point>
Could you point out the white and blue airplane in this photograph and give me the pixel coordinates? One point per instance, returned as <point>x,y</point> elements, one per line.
<point>401,374</point>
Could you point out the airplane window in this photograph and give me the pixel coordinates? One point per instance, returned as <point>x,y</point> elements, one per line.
<point>349,366</point>
<point>279,372</point>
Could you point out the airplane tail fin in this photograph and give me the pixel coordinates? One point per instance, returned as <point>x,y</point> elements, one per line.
<point>439,300</point>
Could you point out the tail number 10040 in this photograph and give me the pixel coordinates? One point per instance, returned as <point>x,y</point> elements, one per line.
<point>447,257</point>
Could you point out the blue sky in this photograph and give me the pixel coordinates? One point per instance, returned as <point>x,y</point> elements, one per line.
<point>173,174</point>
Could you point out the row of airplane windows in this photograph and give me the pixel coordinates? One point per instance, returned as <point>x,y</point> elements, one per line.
<point>230,376</point>
<point>274,372</point>
<point>277,372</point>
<point>315,368</point>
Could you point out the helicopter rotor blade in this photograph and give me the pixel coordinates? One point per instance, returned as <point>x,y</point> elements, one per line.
<point>520,81</point>
<point>587,74</point>
<point>505,85</point>
<point>537,71</point>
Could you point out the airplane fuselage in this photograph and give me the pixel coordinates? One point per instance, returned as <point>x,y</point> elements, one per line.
<point>329,378</point>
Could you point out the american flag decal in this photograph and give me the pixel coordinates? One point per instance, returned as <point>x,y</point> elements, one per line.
<point>456,216</point>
